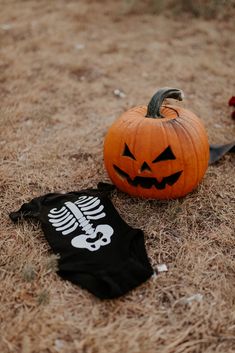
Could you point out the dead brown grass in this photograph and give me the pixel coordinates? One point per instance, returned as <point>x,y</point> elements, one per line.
<point>207,9</point>
<point>57,102</point>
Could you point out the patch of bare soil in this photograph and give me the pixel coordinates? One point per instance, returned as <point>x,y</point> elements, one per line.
<point>60,62</point>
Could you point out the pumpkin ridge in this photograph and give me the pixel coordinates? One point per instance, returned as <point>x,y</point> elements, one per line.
<point>122,125</point>
<point>191,121</point>
<point>135,141</point>
<point>166,140</point>
<point>190,137</point>
<point>174,128</point>
<point>123,139</point>
<point>168,143</point>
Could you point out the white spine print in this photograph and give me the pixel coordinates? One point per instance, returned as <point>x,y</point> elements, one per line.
<point>79,214</point>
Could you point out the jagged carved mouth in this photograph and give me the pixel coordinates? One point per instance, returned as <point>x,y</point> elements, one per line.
<point>148,182</point>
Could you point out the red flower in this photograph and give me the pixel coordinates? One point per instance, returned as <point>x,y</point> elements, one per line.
<point>231,101</point>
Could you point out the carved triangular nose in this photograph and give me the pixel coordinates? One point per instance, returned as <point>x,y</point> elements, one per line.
<point>144,167</point>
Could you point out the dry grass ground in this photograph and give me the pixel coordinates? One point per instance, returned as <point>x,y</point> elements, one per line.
<point>60,62</point>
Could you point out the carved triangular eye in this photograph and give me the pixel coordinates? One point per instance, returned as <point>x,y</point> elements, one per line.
<point>165,155</point>
<point>127,152</point>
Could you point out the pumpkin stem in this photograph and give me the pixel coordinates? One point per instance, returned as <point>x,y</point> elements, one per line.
<point>155,103</point>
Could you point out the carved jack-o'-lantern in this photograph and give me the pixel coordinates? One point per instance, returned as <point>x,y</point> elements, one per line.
<point>160,151</point>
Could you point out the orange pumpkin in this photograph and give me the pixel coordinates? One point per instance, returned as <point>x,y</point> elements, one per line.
<point>160,151</point>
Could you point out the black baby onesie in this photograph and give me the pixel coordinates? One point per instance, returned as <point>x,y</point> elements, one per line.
<point>98,250</point>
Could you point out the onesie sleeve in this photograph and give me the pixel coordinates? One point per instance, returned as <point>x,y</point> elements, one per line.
<point>105,188</point>
<point>28,210</point>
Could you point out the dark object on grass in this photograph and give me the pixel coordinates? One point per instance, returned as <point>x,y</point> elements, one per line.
<point>98,250</point>
<point>231,103</point>
<point>218,151</point>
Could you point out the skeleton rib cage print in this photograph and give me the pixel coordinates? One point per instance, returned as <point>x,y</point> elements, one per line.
<point>79,214</point>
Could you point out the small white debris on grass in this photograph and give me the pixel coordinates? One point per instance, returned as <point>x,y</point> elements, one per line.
<point>79,46</point>
<point>161,268</point>
<point>6,26</point>
<point>118,93</point>
<point>194,298</point>
<point>59,344</point>
<point>154,275</point>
